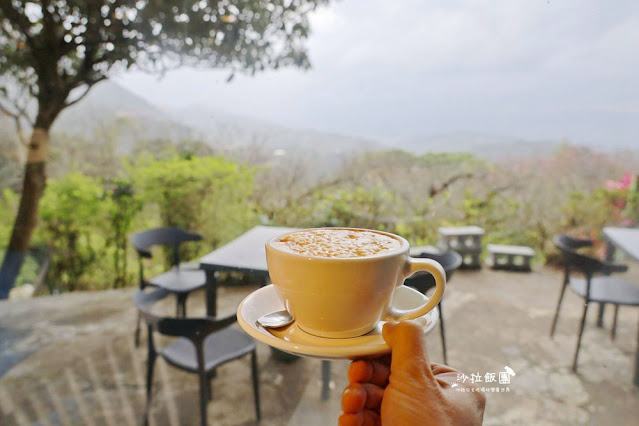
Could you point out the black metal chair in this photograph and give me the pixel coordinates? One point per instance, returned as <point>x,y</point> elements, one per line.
<point>596,286</point>
<point>179,280</point>
<point>203,344</point>
<point>424,281</point>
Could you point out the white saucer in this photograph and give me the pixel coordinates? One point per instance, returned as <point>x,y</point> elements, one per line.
<point>293,340</point>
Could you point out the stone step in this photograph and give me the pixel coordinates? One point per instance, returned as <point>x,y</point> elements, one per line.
<point>509,257</point>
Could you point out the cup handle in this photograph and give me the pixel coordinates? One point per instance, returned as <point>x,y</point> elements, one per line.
<point>414,265</point>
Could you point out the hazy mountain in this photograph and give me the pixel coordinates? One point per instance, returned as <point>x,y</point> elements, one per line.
<point>110,106</point>
<point>482,145</point>
<point>228,130</point>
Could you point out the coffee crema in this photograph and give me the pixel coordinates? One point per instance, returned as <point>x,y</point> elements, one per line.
<point>341,243</point>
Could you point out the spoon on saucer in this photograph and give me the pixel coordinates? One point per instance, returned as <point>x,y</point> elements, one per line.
<point>275,319</point>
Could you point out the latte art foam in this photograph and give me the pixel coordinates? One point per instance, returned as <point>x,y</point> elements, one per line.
<point>341,243</point>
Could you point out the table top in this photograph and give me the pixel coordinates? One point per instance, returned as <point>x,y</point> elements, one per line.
<point>508,249</point>
<point>246,252</point>
<point>460,230</point>
<point>627,239</point>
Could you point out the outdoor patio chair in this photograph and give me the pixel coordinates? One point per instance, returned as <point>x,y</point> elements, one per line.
<point>202,345</point>
<point>596,286</point>
<point>423,281</point>
<point>179,280</point>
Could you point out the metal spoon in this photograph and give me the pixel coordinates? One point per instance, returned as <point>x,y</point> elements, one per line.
<point>275,319</point>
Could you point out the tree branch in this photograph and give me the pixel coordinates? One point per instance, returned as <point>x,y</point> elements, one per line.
<point>17,118</point>
<point>79,98</point>
<point>434,190</point>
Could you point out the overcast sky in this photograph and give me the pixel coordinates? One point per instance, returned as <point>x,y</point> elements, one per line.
<point>535,69</point>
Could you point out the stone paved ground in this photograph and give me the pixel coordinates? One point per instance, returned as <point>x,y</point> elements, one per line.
<point>70,360</point>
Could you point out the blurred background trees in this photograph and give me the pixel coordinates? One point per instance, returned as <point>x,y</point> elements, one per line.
<point>88,212</point>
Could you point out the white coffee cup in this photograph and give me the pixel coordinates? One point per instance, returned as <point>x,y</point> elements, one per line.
<point>343,297</point>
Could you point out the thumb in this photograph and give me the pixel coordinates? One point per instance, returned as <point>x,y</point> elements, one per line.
<point>408,348</point>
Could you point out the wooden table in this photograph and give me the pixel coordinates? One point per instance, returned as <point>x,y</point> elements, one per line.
<point>247,253</point>
<point>626,239</point>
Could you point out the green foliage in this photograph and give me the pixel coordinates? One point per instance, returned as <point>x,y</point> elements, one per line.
<point>451,158</point>
<point>86,221</point>
<point>71,211</point>
<point>583,212</point>
<point>418,232</point>
<point>122,207</point>
<point>202,194</point>
<point>490,211</point>
<point>399,158</point>
<point>357,208</point>
<point>8,209</point>
<point>631,211</point>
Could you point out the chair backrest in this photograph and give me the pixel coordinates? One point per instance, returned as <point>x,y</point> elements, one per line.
<point>167,236</point>
<point>568,247</point>
<point>194,329</point>
<point>572,243</point>
<point>424,281</point>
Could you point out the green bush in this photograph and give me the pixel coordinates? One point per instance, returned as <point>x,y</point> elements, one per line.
<point>85,222</point>
<point>356,208</point>
<point>72,215</point>
<point>208,195</point>
<point>8,209</point>
<point>123,204</point>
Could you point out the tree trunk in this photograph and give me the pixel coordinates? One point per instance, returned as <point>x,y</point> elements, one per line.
<point>26,220</point>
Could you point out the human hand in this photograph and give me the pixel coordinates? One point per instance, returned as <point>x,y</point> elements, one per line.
<point>405,389</point>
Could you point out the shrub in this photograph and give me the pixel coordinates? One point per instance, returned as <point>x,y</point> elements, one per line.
<point>72,212</point>
<point>123,205</point>
<point>208,195</point>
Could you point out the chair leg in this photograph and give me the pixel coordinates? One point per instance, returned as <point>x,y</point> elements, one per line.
<point>180,305</point>
<point>613,330</point>
<point>554,321</point>
<point>203,397</point>
<point>600,314</point>
<point>441,329</point>
<point>184,297</point>
<point>256,385</point>
<point>150,363</point>
<point>581,332</point>
<point>326,379</point>
<point>136,338</point>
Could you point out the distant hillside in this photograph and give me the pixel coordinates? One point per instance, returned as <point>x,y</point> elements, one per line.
<point>485,146</point>
<point>109,104</point>
<point>112,107</point>
<point>223,129</point>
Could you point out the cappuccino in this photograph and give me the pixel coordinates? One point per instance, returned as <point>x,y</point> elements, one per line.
<point>340,282</point>
<point>337,243</point>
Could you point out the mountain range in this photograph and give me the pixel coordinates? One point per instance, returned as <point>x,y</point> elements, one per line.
<point>109,104</point>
